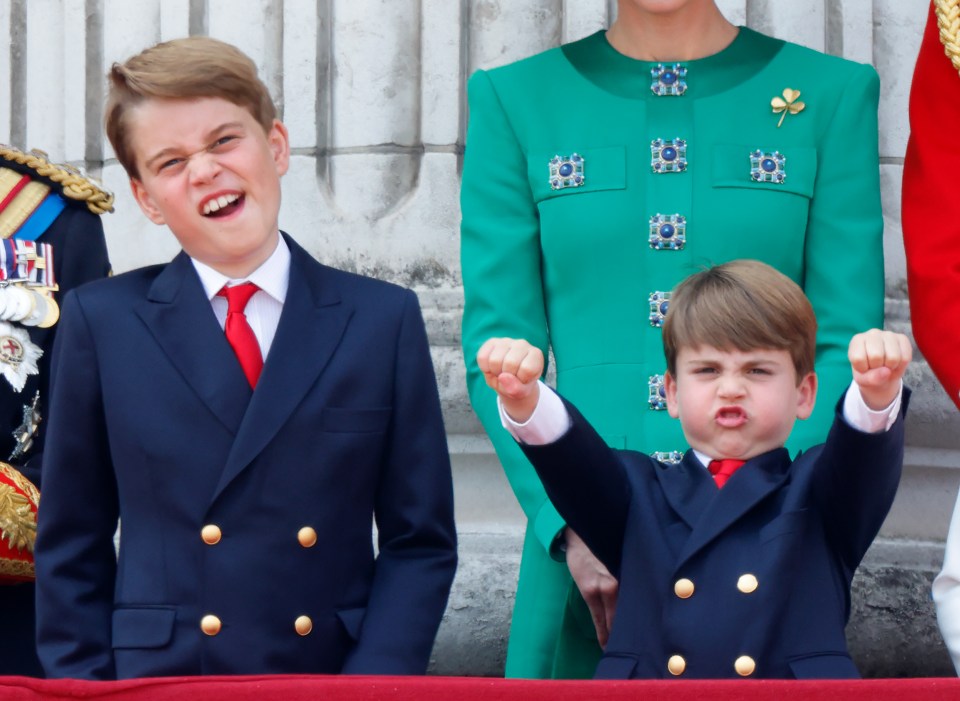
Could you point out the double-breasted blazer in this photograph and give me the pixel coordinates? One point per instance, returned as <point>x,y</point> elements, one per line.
<point>246,516</point>
<point>752,580</point>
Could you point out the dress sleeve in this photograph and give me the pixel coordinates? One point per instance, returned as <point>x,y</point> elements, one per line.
<point>843,255</point>
<point>503,288</point>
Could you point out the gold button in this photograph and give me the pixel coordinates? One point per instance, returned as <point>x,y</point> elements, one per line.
<point>307,537</point>
<point>303,625</point>
<point>747,583</point>
<point>676,665</point>
<point>211,534</point>
<point>683,588</point>
<point>210,624</point>
<point>745,666</point>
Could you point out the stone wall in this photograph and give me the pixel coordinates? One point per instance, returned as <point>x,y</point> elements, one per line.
<point>373,94</point>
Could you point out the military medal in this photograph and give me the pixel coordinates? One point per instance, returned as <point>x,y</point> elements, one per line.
<point>24,433</point>
<point>18,355</point>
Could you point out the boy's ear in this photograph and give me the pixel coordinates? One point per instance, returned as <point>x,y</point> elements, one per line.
<point>670,387</point>
<point>146,202</point>
<point>806,395</point>
<point>279,141</point>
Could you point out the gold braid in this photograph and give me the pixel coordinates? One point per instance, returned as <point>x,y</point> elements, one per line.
<point>948,19</point>
<point>74,184</point>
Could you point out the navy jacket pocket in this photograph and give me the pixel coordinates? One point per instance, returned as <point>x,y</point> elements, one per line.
<point>337,420</point>
<point>352,620</point>
<point>828,665</point>
<point>143,627</point>
<point>789,522</point>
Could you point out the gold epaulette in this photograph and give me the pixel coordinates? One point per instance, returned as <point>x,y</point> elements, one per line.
<point>73,183</point>
<point>948,21</point>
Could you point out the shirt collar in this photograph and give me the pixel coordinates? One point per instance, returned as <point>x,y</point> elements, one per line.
<point>703,458</point>
<point>273,275</point>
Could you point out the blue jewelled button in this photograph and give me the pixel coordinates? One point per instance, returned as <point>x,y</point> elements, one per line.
<point>671,457</point>
<point>668,155</point>
<point>768,166</point>
<point>668,79</point>
<point>668,232</point>
<point>566,171</point>
<point>657,400</point>
<point>659,304</point>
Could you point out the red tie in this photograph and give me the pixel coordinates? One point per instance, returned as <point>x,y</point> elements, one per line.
<point>723,469</point>
<point>239,334</point>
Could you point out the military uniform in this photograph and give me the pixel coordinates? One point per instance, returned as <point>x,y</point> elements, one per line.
<point>52,241</point>
<point>593,183</point>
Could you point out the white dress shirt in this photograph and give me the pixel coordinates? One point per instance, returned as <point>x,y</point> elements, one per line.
<point>263,309</point>
<point>550,419</point>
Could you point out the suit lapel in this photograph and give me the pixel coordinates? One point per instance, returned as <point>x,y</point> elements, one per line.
<point>688,487</point>
<point>748,486</point>
<point>180,318</point>
<point>311,325</point>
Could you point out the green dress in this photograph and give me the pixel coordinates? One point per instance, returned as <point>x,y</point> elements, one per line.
<point>592,184</point>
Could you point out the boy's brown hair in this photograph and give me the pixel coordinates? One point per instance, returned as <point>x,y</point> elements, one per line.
<point>187,68</point>
<point>744,305</point>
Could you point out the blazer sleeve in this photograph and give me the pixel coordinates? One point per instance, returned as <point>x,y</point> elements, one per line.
<point>414,514</point>
<point>502,283</point>
<point>931,210</point>
<point>587,480</point>
<point>855,481</point>
<point>946,590</point>
<point>75,558</point>
<point>843,255</point>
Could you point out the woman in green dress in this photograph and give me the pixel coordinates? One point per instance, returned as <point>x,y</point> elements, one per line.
<point>599,174</point>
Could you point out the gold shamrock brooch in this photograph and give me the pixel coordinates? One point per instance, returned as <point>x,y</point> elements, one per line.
<point>787,103</point>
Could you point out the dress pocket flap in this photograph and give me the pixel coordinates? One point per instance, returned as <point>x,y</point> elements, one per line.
<point>603,169</point>
<point>143,627</point>
<point>732,166</point>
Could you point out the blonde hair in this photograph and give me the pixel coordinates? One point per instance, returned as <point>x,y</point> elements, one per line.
<point>193,67</point>
<point>743,305</point>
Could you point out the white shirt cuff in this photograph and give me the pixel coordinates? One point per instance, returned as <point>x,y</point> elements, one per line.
<point>861,417</point>
<point>548,422</point>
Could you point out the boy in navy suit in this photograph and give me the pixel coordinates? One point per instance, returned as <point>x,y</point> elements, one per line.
<point>734,561</point>
<point>245,412</point>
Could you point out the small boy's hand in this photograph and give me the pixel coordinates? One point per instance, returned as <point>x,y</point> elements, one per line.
<point>512,367</point>
<point>878,360</point>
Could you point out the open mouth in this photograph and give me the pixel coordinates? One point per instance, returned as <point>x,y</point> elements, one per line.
<point>223,206</point>
<point>731,416</point>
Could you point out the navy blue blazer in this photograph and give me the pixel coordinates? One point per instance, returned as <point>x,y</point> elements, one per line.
<point>153,422</point>
<point>760,569</point>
